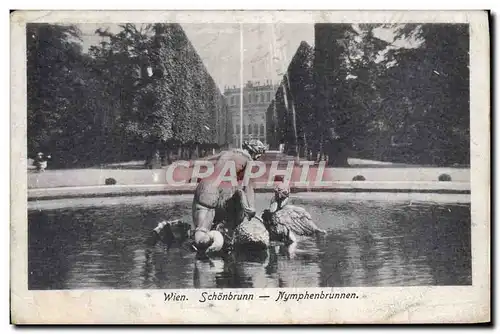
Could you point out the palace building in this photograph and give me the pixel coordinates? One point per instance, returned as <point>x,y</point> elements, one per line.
<point>256,99</point>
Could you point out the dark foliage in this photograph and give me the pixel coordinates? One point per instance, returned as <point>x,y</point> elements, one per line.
<point>444,177</point>
<point>110,181</point>
<point>356,95</point>
<point>145,94</point>
<point>137,95</point>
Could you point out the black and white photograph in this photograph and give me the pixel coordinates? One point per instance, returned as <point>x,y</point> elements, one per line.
<point>228,156</point>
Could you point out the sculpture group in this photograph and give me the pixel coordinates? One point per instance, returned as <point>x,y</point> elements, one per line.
<point>225,218</point>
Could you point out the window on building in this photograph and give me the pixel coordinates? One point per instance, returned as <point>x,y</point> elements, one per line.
<point>268,96</point>
<point>233,100</point>
<point>262,131</point>
<point>249,129</point>
<point>256,129</point>
<point>262,97</point>
<point>244,130</point>
<point>237,129</point>
<point>249,98</point>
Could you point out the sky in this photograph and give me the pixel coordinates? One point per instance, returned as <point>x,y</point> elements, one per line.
<point>267,48</point>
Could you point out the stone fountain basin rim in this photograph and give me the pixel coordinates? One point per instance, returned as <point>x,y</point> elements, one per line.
<point>93,200</point>
<point>340,186</point>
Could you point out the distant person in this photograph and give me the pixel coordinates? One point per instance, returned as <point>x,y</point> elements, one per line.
<point>40,162</point>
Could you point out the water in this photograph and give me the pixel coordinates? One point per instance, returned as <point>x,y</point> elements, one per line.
<point>369,243</point>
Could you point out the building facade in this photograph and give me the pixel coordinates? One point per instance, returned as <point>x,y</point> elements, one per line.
<point>256,99</point>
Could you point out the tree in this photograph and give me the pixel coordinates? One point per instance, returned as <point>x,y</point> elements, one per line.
<point>332,93</point>
<point>123,63</point>
<point>398,103</point>
<point>64,97</point>
<point>301,81</point>
<point>198,106</point>
<point>361,92</point>
<point>52,55</point>
<point>150,118</point>
<point>291,112</point>
<point>137,94</point>
<point>434,79</point>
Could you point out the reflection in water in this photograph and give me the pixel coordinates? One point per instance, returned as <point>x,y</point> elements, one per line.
<point>206,272</point>
<point>301,271</point>
<point>368,244</point>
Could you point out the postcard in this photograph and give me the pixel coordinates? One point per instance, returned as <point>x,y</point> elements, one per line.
<point>250,167</point>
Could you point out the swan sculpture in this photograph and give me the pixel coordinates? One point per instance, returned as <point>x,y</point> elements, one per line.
<point>286,222</point>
